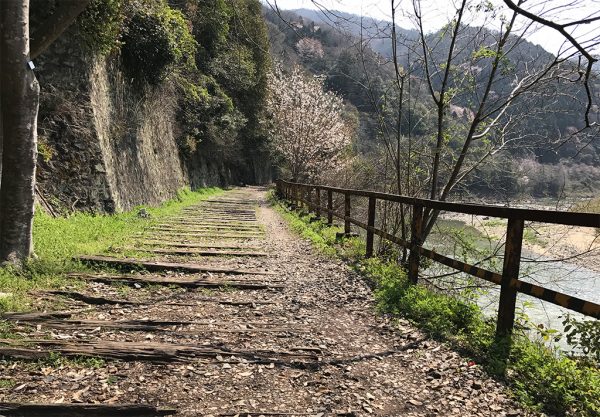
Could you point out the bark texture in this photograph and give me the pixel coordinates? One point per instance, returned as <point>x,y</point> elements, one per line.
<point>19,105</point>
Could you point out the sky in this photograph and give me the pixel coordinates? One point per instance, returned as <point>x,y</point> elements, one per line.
<point>437,12</point>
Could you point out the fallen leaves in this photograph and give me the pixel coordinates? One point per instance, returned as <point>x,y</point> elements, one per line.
<point>325,310</point>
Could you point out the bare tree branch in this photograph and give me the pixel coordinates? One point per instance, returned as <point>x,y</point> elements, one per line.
<point>65,14</point>
<point>561,28</point>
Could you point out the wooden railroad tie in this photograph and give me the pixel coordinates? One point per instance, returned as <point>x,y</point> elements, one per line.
<point>201,225</point>
<point>92,300</point>
<point>162,326</point>
<point>153,266</point>
<point>188,251</point>
<point>199,245</point>
<point>190,231</point>
<point>148,352</point>
<point>82,410</point>
<point>246,284</point>
<point>210,236</point>
<point>200,229</point>
<point>209,221</point>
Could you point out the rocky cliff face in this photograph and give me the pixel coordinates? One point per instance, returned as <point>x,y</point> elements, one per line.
<point>106,144</point>
<point>134,131</point>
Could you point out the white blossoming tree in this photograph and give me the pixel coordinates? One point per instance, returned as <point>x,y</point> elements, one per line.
<point>310,49</point>
<point>308,131</point>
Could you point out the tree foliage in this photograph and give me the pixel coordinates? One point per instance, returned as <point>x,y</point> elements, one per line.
<point>545,119</point>
<point>216,53</point>
<point>156,40</point>
<point>222,100</point>
<point>213,54</point>
<point>100,25</point>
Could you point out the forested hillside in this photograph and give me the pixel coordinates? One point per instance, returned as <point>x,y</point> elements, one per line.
<point>540,154</point>
<point>141,97</point>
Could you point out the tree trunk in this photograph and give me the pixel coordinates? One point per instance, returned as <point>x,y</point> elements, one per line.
<point>19,108</point>
<point>1,129</point>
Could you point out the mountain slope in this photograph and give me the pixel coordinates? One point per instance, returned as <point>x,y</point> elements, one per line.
<point>363,75</point>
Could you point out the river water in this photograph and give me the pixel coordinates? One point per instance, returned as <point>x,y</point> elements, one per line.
<point>560,276</point>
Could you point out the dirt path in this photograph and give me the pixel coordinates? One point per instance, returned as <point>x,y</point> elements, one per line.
<point>307,343</point>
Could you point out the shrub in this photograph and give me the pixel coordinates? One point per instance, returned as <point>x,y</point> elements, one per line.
<point>208,119</point>
<point>583,335</point>
<point>559,385</point>
<point>155,41</point>
<point>100,25</point>
<point>437,314</point>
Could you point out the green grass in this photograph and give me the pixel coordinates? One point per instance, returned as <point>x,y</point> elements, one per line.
<point>452,226</point>
<point>112,379</point>
<point>7,383</point>
<point>58,240</point>
<point>460,238</point>
<point>57,360</point>
<point>322,236</point>
<point>439,315</point>
<point>6,330</point>
<point>539,377</point>
<point>495,223</point>
<point>531,237</point>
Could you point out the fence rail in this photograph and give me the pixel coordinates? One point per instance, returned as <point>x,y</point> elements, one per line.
<point>508,280</point>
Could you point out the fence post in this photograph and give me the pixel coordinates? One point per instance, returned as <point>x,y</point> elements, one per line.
<point>329,207</point>
<point>510,271</point>
<point>296,197</point>
<point>415,240</point>
<point>346,213</point>
<point>308,198</point>
<point>370,223</point>
<point>318,202</point>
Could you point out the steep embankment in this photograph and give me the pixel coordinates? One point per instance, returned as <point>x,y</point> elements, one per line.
<point>104,145</point>
<point>140,101</point>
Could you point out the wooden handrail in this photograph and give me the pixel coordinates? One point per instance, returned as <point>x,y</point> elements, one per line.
<point>508,280</point>
<point>543,216</point>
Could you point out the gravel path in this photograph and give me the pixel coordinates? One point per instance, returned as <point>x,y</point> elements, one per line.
<point>315,347</point>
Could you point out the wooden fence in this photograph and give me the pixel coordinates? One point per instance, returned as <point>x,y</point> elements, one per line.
<point>508,280</point>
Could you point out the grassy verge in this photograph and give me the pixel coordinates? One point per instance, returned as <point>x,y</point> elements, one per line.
<point>323,237</point>
<point>58,240</point>
<point>539,377</point>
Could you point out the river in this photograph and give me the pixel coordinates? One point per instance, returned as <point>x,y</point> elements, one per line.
<point>571,278</point>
